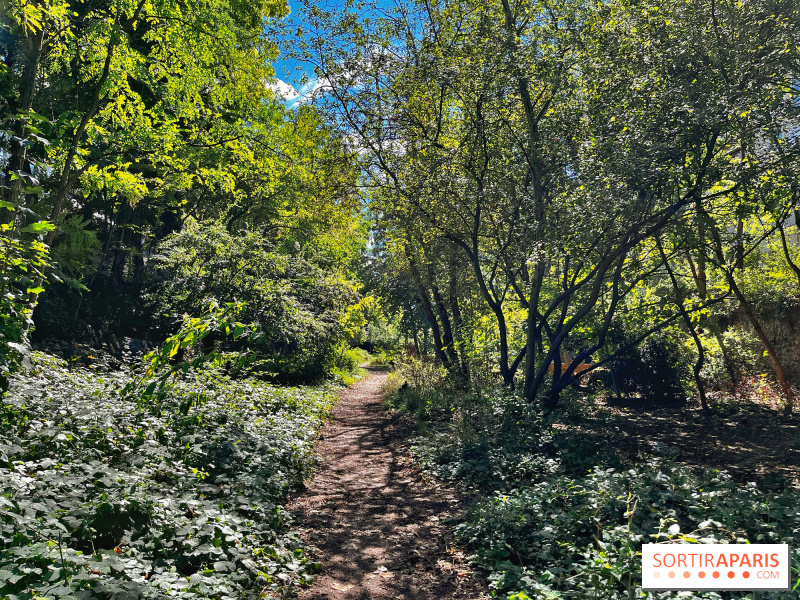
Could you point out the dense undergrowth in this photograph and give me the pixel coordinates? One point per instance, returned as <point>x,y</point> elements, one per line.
<point>560,515</point>
<point>102,496</point>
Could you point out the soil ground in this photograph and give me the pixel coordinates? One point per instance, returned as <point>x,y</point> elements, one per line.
<point>753,441</point>
<point>377,526</point>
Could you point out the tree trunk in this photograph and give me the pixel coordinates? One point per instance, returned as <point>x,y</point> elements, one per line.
<point>751,316</point>
<point>687,320</point>
<point>65,179</point>
<point>534,335</point>
<point>713,325</point>
<point>447,330</point>
<point>700,275</point>
<point>497,309</point>
<point>788,255</point>
<point>32,50</point>
<point>739,244</point>
<point>458,321</point>
<point>429,314</point>
<point>776,363</point>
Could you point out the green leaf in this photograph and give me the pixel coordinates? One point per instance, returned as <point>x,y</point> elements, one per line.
<point>38,227</point>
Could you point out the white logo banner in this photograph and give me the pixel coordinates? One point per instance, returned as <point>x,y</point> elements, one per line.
<point>705,567</point>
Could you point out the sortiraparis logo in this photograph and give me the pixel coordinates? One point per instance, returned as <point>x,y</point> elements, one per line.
<point>702,567</point>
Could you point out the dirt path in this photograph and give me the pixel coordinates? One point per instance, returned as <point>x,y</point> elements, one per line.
<point>379,529</point>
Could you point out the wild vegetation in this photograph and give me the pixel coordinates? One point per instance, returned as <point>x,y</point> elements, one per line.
<point>105,496</point>
<point>543,217</point>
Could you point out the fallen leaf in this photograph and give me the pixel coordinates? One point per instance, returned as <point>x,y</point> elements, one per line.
<point>342,587</point>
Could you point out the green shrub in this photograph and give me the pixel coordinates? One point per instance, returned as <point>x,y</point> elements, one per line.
<point>425,391</point>
<point>658,369</point>
<point>350,359</point>
<point>559,516</point>
<point>347,365</point>
<point>493,441</point>
<point>294,304</point>
<point>382,357</point>
<point>23,260</point>
<point>744,352</point>
<point>393,382</point>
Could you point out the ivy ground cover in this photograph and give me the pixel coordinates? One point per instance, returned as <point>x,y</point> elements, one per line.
<point>559,515</point>
<point>104,497</point>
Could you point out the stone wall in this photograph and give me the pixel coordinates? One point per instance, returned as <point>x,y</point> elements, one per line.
<point>781,323</point>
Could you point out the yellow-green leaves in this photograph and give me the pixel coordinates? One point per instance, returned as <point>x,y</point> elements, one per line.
<point>31,17</point>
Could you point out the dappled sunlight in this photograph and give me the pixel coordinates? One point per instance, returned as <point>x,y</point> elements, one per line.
<point>751,441</point>
<point>382,530</point>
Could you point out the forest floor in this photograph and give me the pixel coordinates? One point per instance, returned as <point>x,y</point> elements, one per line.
<point>378,527</point>
<point>753,441</point>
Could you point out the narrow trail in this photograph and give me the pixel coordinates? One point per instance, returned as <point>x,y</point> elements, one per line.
<point>380,530</point>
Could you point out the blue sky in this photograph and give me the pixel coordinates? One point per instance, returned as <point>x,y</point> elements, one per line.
<point>289,71</point>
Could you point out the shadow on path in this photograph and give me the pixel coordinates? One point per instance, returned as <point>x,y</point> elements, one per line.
<point>381,531</point>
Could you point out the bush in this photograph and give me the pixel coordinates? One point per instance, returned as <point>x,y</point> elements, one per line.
<point>394,381</point>
<point>350,359</point>
<point>581,537</point>
<point>426,390</point>
<point>103,497</point>
<point>382,358</point>
<point>23,260</point>
<point>496,442</point>
<point>295,305</point>
<point>657,370</point>
<point>347,366</point>
<point>559,517</point>
<point>744,351</point>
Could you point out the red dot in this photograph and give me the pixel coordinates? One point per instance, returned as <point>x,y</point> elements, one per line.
<point>686,574</point>
<point>701,574</point>
<point>746,574</point>
<point>715,574</point>
<point>731,574</point>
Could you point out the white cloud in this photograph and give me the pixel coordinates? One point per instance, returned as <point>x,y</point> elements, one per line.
<point>295,96</point>
<point>309,89</point>
<point>283,90</point>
